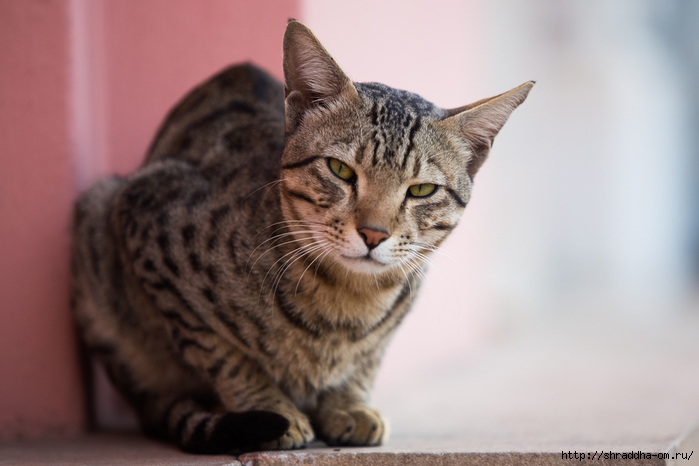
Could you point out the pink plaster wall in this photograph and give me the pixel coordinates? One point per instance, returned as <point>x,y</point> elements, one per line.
<point>40,392</point>
<point>151,53</point>
<point>83,86</point>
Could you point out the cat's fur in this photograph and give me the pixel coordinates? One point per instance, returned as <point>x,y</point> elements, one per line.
<point>238,292</point>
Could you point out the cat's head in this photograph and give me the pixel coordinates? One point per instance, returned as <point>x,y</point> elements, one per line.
<point>374,177</point>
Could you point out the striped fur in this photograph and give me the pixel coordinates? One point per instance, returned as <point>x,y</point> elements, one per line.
<point>226,285</point>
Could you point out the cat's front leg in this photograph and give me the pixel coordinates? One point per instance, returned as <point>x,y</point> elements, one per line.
<point>344,418</point>
<point>243,386</point>
<point>247,387</point>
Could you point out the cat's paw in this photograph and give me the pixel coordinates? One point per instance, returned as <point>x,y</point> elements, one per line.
<point>358,426</point>
<point>297,435</point>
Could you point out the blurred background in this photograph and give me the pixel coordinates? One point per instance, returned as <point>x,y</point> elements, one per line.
<point>588,208</point>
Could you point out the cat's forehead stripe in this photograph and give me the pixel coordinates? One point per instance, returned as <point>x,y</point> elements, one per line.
<point>398,101</point>
<point>395,116</point>
<point>411,135</point>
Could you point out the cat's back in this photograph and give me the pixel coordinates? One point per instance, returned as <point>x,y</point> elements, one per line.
<point>235,117</point>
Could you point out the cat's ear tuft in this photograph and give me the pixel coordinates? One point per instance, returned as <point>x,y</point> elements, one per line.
<point>478,123</point>
<point>312,77</point>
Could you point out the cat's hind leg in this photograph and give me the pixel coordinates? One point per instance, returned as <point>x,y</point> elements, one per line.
<point>123,330</point>
<point>188,414</point>
<point>198,430</point>
<point>244,387</point>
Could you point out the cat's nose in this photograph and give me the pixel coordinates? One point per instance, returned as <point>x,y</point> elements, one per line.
<point>372,236</point>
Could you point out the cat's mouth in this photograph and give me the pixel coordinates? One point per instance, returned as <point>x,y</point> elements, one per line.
<point>367,259</point>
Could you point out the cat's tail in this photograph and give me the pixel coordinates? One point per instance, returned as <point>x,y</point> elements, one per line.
<point>197,430</point>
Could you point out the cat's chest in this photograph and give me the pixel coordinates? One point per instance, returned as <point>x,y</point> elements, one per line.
<point>321,341</point>
<point>310,365</point>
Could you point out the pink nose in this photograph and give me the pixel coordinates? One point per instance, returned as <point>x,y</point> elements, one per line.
<point>372,236</point>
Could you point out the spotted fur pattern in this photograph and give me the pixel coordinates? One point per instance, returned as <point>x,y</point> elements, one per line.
<point>230,286</point>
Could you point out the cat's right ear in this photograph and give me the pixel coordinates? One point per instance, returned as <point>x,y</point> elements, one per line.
<point>312,78</point>
<point>478,123</point>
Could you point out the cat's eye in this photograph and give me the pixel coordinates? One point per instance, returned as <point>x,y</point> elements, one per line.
<point>341,170</point>
<point>422,190</point>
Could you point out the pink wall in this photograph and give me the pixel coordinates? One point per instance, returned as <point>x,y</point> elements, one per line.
<point>84,83</point>
<point>40,392</point>
<point>141,57</point>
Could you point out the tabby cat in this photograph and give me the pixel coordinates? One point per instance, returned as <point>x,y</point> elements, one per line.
<point>240,288</point>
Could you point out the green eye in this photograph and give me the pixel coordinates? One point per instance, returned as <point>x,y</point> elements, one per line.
<point>422,190</point>
<point>340,169</point>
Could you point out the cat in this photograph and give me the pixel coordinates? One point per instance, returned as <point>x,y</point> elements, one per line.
<point>240,287</point>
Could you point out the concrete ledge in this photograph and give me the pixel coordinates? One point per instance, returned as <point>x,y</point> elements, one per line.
<point>621,393</point>
<point>132,450</point>
<point>103,449</point>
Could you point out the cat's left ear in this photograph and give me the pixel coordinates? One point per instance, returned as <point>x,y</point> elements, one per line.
<point>312,77</point>
<point>479,122</point>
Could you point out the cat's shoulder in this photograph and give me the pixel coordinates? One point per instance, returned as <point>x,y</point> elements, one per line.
<point>239,95</point>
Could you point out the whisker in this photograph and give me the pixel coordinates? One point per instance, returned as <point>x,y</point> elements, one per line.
<point>290,262</point>
<point>270,184</point>
<point>408,277</point>
<point>425,258</point>
<point>291,253</point>
<point>410,288</point>
<point>320,262</point>
<point>433,249</point>
<point>271,248</point>
<point>279,236</point>
<point>290,222</point>
<point>300,251</point>
<point>475,234</point>
<point>414,270</point>
<point>429,262</point>
<point>322,254</point>
<point>275,237</point>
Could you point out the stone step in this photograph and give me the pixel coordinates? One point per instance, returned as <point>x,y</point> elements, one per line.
<point>592,391</point>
